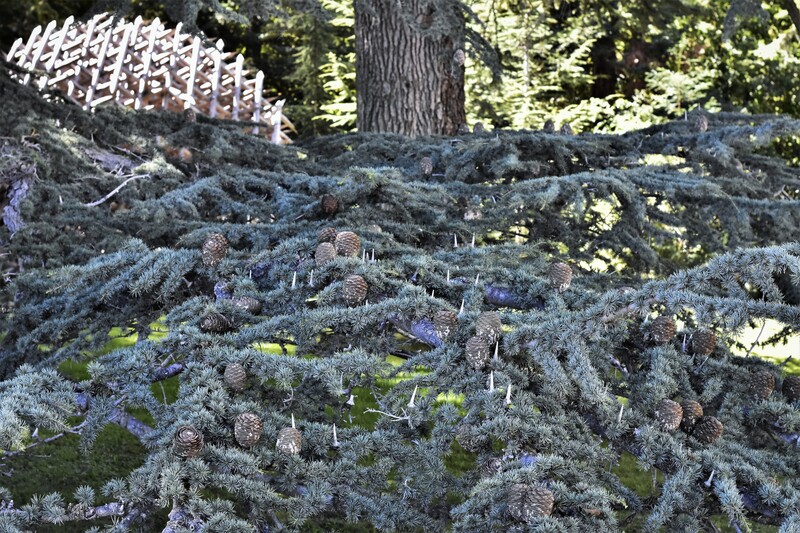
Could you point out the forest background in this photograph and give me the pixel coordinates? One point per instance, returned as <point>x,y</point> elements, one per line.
<point>602,66</point>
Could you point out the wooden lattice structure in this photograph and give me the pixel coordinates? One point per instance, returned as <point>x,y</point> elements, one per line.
<point>146,66</point>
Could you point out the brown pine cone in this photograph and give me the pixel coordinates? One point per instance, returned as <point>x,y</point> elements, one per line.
<point>669,414</point>
<point>426,166</point>
<point>348,244</point>
<point>247,303</point>
<point>707,429</point>
<point>247,429</point>
<point>329,205</point>
<point>526,502</point>
<point>214,249</point>
<point>491,467</point>
<point>290,441</point>
<point>235,377</point>
<point>560,275</point>
<point>488,326</point>
<point>215,323</point>
<point>700,124</point>
<point>762,383</point>
<point>444,323</point>
<point>791,388</point>
<point>325,254</point>
<point>188,442</point>
<point>326,235</point>
<point>662,329</point>
<point>704,341</point>
<point>477,352</point>
<point>692,412</point>
<point>354,289</point>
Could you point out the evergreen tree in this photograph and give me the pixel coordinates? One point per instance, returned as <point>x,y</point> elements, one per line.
<point>463,334</point>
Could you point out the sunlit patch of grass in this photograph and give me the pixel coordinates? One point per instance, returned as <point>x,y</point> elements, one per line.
<point>274,348</point>
<point>754,337</point>
<point>662,160</point>
<point>61,466</point>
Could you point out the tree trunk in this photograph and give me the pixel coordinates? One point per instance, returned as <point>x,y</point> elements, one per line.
<point>407,80</point>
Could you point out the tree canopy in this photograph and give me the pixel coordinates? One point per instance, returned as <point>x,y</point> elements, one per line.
<point>600,66</point>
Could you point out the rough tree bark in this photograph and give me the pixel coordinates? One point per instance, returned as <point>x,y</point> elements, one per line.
<point>407,78</point>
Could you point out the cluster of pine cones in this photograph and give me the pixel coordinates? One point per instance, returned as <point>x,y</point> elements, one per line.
<point>247,429</point>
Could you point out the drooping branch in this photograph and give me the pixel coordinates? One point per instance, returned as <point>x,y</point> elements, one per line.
<point>118,416</point>
<point>74,512</point>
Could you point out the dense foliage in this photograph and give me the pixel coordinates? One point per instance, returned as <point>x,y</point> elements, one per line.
<point>662,225</point>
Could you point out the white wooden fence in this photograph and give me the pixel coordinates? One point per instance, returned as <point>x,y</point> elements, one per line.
<point>146,66</point>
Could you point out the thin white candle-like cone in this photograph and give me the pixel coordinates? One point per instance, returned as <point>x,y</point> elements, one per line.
<point>508,395</point>
<point>294,279</point>
<point>491,381</point>
<point>293,421</point>
<point>413,396</point>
